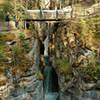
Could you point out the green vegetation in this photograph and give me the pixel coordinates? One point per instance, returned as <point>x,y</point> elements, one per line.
<point>90,73</point>
<point>25,44</point>
<point>6,7</point>
<point>63,66</point>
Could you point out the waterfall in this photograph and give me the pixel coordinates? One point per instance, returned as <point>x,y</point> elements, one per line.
<point>46,44</point>
<point>50,83</point>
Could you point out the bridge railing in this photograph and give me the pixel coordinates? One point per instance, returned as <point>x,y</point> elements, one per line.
<point>64,13</point>
<point>48,14</point>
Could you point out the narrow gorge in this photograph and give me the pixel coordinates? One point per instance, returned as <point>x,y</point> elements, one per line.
<point>49,50</point>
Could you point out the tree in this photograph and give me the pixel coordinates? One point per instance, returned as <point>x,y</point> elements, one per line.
<point>6,7</point>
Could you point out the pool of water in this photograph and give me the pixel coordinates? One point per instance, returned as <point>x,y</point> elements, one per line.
<point>51,96</point>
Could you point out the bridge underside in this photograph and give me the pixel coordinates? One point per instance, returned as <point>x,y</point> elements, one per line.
<point>50,20</point>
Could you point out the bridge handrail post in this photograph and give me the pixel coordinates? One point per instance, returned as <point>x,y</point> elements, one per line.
<point>41,13</point>
<point>56,14</point>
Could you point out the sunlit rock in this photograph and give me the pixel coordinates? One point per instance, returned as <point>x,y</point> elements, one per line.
<point>5,87</point>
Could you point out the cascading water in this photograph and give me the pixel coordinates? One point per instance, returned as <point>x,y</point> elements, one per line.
<point>50,85</point>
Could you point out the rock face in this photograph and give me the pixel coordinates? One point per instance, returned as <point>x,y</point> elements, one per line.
<point>22,85</point>
<point>28,87</point>
<point>79,56</point>
<point>88,95</point>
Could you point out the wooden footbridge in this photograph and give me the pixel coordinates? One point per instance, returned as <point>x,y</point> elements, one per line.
<point>60,14</point>
<point>48,15</point>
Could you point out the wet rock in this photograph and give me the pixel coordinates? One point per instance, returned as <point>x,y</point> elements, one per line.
<point>32,86</point>
<point>24,96</point>
<point>87,95</point>
<point>11,42</point>
<point>64,96</point>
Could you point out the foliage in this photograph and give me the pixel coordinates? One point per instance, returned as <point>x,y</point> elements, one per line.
<point>63,66</point>
<point>90,73</point>
<point>2,49</point>
<point>7,37</point>
<point>21,36</point>
<point>17,49</point>
<point>13,55</point>
<point>24,43</point>
<point>87,30</point>
<point>6,7</point>
<point>20,60</point>
<point>1,54</point>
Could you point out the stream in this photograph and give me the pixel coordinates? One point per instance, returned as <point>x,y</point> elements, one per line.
<point>50,82</point>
